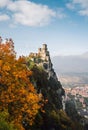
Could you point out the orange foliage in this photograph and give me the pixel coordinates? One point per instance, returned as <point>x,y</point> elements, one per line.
<point>17,94</point>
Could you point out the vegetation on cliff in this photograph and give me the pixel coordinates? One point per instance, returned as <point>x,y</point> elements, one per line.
<point>30,94</point>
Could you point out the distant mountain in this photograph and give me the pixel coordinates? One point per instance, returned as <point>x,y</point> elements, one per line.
<point>74,64</point>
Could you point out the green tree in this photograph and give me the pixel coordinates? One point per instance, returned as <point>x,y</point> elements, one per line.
<point>4,124</point>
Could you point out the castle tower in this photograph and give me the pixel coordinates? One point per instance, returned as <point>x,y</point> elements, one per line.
<point>44,51</point>
<point>44,47</point>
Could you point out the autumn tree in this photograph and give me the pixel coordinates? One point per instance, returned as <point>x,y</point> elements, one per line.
<point>17,93</point>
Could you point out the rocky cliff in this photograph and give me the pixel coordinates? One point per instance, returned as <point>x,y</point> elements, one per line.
<point>46,83</point>
<point>42,59</point>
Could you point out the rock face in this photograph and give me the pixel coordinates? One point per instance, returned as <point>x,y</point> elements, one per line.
<point>54,87</point>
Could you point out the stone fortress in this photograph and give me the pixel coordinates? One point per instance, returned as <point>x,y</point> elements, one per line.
<point>45,62</point>
<point>43,53</point>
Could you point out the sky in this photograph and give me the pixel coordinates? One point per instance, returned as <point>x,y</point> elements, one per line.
<point>61,24</point>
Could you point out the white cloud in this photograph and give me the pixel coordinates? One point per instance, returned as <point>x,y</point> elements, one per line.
<point>4,17</point>
<point>83,12</point>
<point>4,3</point>
<point>28,13</point>
<point>60,13</point>
<point>82,6</point>
<point>31,14</point>
<point>70,6</point>
<point>83,3</point>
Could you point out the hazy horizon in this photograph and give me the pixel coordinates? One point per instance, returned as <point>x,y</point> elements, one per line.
<point>71,63</point>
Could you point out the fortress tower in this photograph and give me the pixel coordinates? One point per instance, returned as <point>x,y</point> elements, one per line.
<point>43,52</point>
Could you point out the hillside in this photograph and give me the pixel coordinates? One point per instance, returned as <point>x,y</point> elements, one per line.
<point>31,97</point>
<point>73,79</point>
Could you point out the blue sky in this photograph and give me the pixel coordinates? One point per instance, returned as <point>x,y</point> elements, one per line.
<point>61,24</point>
